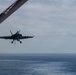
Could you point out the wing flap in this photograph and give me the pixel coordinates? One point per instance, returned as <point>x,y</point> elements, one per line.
<point>26,37</point>
<point>6,37</point>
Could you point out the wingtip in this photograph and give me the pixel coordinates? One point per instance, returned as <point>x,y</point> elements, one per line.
<point>31,36</point>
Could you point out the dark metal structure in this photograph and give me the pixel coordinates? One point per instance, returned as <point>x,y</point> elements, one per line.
<point>11,9</point>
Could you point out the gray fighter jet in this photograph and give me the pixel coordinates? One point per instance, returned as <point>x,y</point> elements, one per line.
<point>17,36</point>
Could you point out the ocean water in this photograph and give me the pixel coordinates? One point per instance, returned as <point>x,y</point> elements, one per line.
<point>38,64</point>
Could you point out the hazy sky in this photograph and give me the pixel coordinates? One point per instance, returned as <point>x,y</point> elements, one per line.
<point>52,22</point>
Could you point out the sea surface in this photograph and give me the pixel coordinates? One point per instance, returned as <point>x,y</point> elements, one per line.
<point>37,64</point>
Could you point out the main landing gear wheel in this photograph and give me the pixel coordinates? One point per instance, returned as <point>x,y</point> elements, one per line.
<point>12,42</point>
<point>20,41</point>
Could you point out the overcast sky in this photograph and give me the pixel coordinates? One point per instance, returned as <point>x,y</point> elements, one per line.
<point>52,22</point>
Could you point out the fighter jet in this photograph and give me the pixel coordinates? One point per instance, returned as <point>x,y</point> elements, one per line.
<point>17,36</point>
<point>11,9</point>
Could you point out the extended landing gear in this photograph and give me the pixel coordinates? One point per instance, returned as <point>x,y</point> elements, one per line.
<point>15,42</point>
<point>11,42</point>
<point>20,41</point>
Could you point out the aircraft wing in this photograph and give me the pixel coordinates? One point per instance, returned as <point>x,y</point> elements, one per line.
<point>26,37</point>
<point>6,37</point>
<point>11,9</point>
